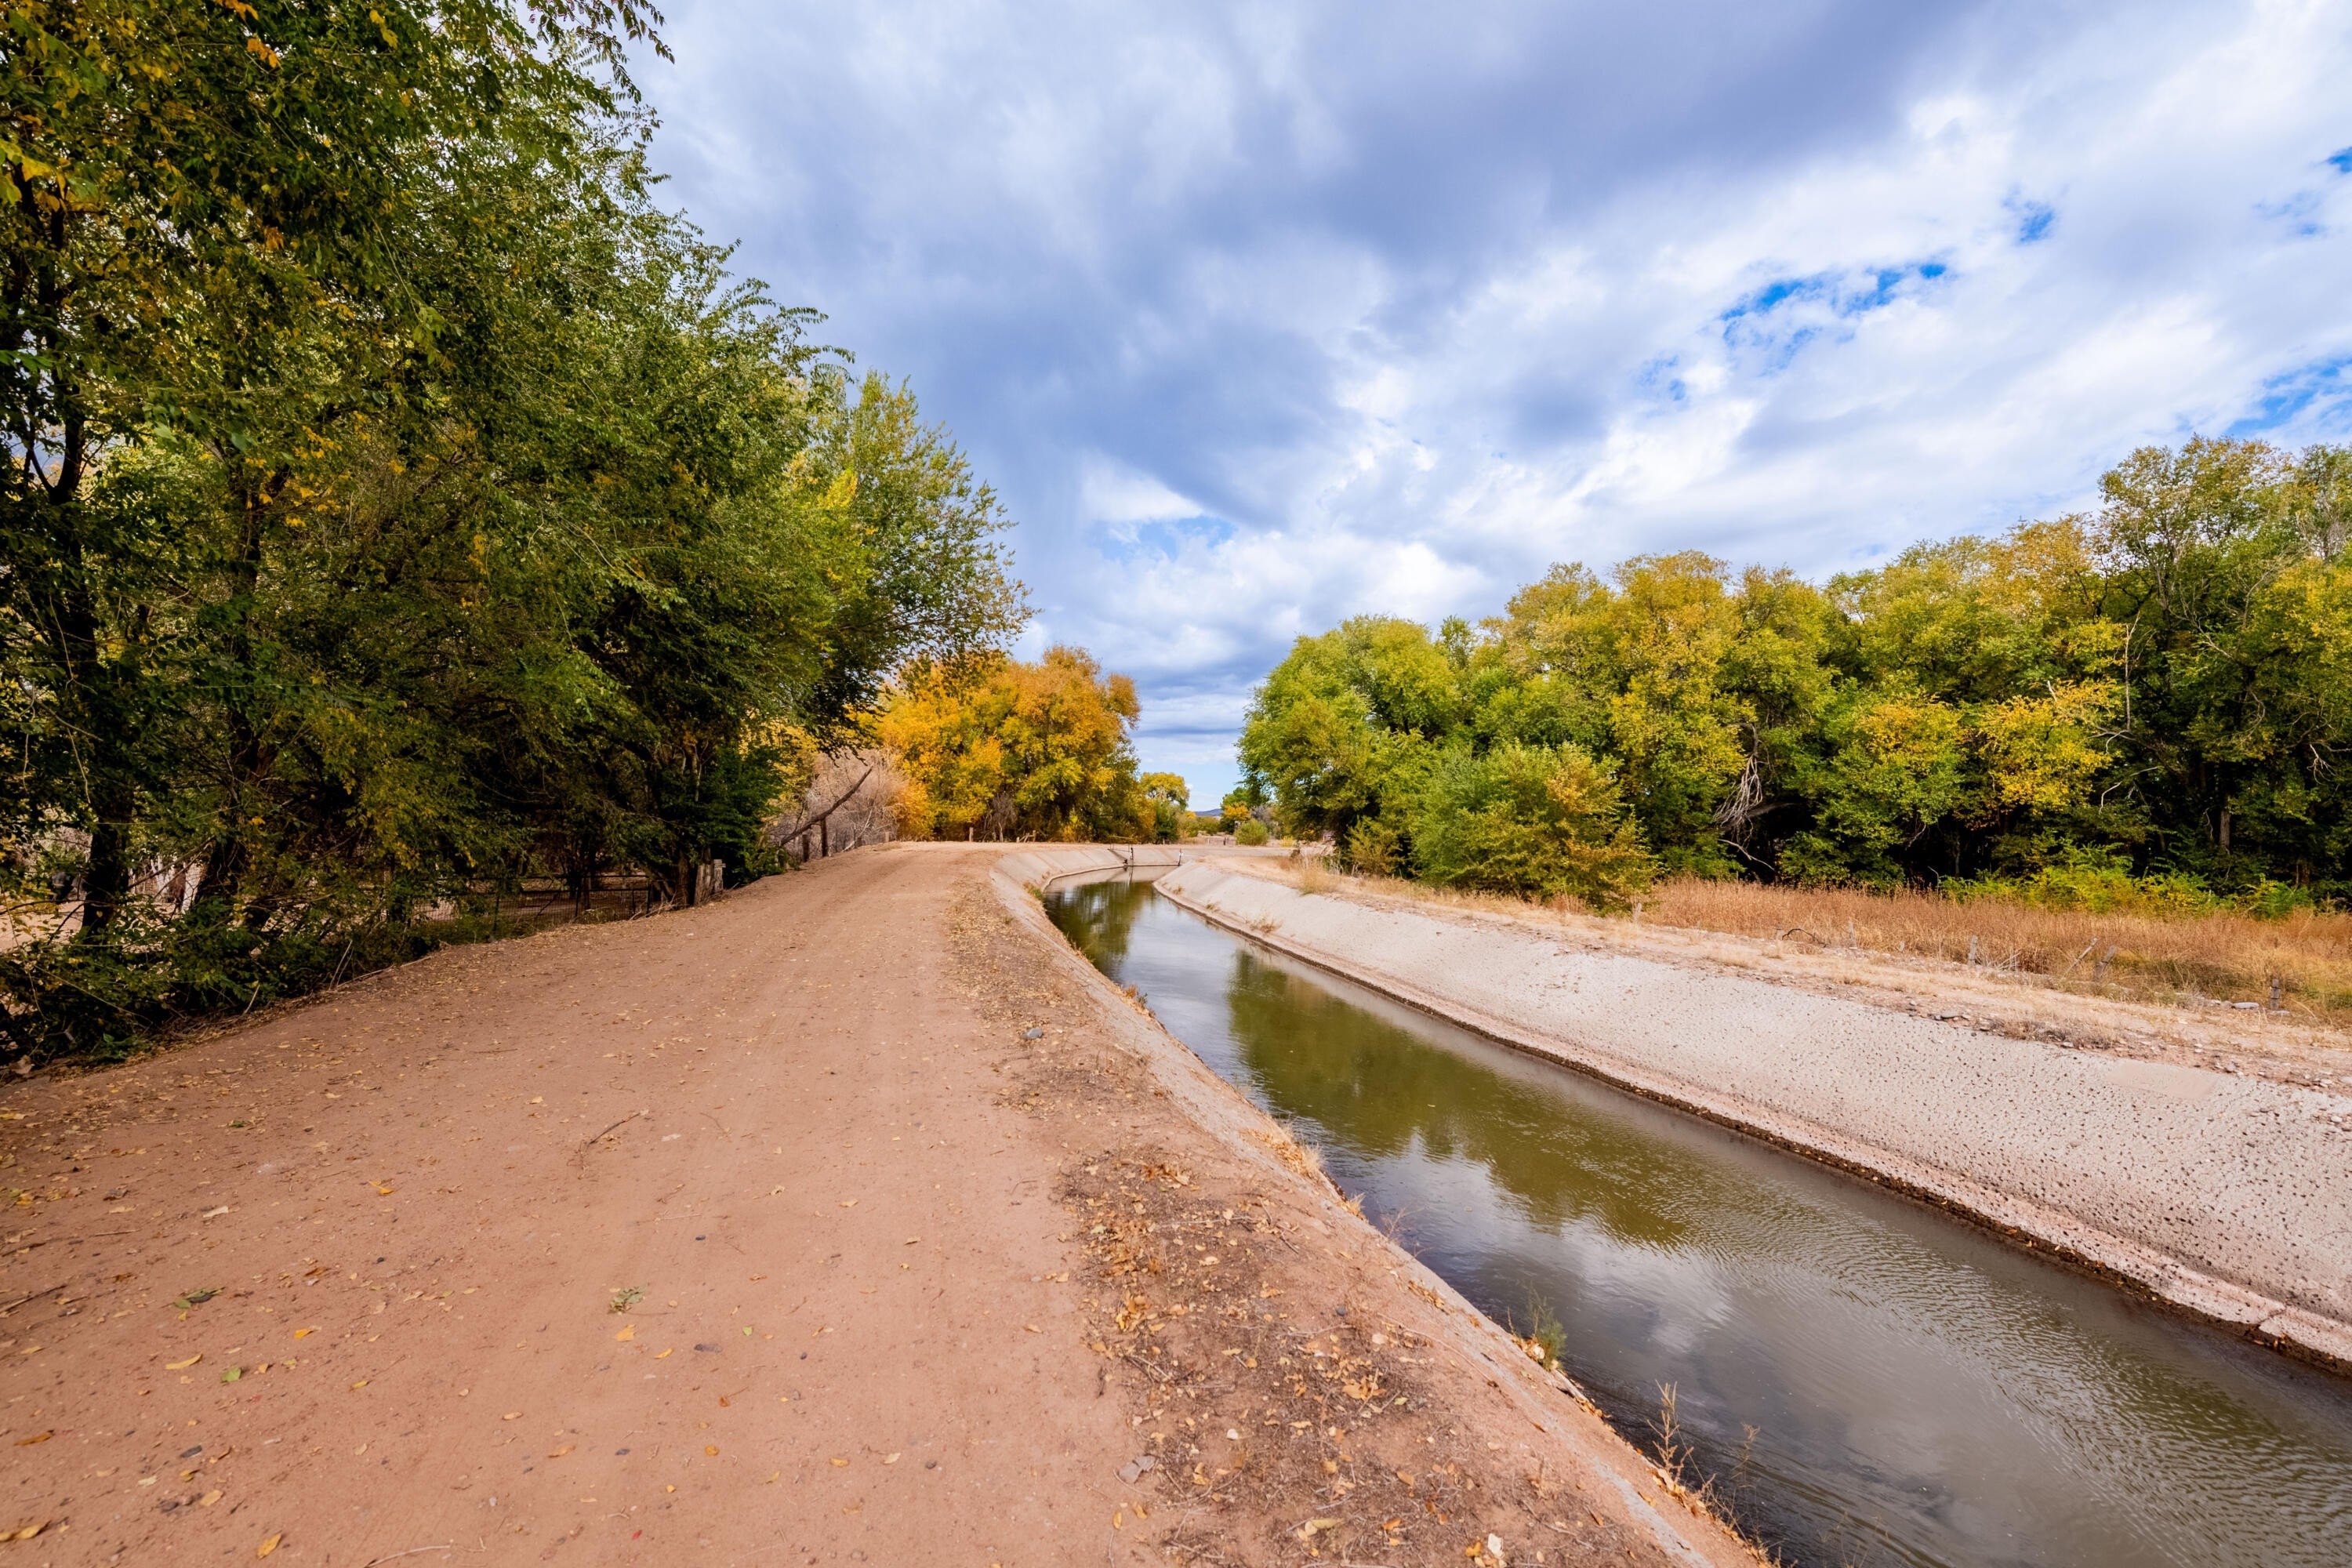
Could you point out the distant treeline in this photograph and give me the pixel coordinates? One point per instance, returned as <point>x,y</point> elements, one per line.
<point>399,504</point>
<point>2155,694</point>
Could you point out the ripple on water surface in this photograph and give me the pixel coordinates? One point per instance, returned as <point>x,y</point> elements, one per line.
<point>1867,1380</point>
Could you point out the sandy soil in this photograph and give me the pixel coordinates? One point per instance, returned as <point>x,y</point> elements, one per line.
<point>850,1219</point>
<point>2229,1195</point>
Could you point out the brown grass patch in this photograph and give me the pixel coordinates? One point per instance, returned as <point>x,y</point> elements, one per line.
<point>2227,957</point>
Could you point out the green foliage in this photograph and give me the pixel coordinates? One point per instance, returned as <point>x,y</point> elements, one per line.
<point>2164,688</point>
<point>1251,832</point>
<point>401,503</point>
<point>1537,821</point>
<point>1170,801</point>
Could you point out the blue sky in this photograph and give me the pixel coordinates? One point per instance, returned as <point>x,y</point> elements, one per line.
<point>1264,315</point>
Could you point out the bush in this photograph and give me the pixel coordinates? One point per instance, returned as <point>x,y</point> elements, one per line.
<point>1537,821</point>
<point>1251,832</point>
<point>2099,884</point>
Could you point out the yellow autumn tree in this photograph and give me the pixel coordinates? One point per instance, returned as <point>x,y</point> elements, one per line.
<point>1000,749</point>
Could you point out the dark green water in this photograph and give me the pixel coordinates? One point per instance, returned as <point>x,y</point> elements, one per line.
<point>1868,1381</point>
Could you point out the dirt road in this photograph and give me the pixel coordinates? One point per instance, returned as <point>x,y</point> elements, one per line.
<point>844,1220</point>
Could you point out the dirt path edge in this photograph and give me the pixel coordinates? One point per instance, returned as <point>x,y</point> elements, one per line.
<point>2152,1272</point>
<point>1548,1401</point>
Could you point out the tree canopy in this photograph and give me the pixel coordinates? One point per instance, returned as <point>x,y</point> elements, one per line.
<point>400,501</point>
<point>2157,688</point>
<point>1000,749</point>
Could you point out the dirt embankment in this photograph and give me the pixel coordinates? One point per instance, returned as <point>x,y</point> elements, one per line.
<point>850,1219</point>
<point>2229,1195</point>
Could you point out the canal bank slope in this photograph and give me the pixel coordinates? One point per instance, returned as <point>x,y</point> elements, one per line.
<point>2229,1196</point>
<point>850,1218</point>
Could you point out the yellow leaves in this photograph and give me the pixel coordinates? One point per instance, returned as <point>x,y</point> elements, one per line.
<point>710,1450</point>
<point>304,1334</point>
<point>559,1453</point>
<point>359,1384</point>
<point>665,1354</point>
<point>36,1437</point>
<point>210,1497</point>
<point>841,1464</point>
<point>628,1332</point>
<point>2044,752</point>
<point>512,1416</point>
<point>183,1365</point>
<point>268,1544</point>
<point>26,1533</point>
<point>261,52</point>
<point>384,1189</point>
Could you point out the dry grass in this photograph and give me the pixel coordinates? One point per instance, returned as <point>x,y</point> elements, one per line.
<point>2228,957</point>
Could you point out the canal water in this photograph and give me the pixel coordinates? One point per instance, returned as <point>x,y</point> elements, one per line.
<point>1866,1380</point>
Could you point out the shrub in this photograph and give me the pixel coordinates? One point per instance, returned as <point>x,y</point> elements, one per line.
<point>1251,832</point>
<point>1538,821</point>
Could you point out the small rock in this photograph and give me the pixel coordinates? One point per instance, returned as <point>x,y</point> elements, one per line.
<point>1133,1469</point>
<point>713,1348</point>
<point>1032,1033</point>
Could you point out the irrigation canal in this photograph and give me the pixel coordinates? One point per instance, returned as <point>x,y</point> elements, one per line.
<point>1866,1380</point>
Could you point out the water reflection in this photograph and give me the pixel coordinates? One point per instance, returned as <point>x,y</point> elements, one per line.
<point>1871,1382</point>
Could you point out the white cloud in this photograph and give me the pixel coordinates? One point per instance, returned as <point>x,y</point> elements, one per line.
<point>1406,304</point>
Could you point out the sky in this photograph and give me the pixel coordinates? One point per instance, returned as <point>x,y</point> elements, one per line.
<point>1260,316</point>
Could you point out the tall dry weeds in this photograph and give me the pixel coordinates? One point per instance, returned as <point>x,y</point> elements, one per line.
<point>2230,957</point>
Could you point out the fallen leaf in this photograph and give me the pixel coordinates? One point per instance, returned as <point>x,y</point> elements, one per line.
<point>386,1190</point>
<point>710,1449</point>
<point>849,1203</point>
<point>268,1544</point>
<point>216,1213</point>
<point>629,1332</point>
<point>559,1453</point>
<point>512,1416</point>
<point>664,1355</point>
<point>839,1464</point>
<point>304,1334</point>
<point>890,1460</point>
<point>26,1533</point>
<point>361,1383</point>
<point>232,1374</point>
<point>36,1437</point>
<point>183,1365</point>
<point>538,1099</point>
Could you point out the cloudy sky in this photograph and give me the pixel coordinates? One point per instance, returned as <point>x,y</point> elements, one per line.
<point>1262,315</point>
